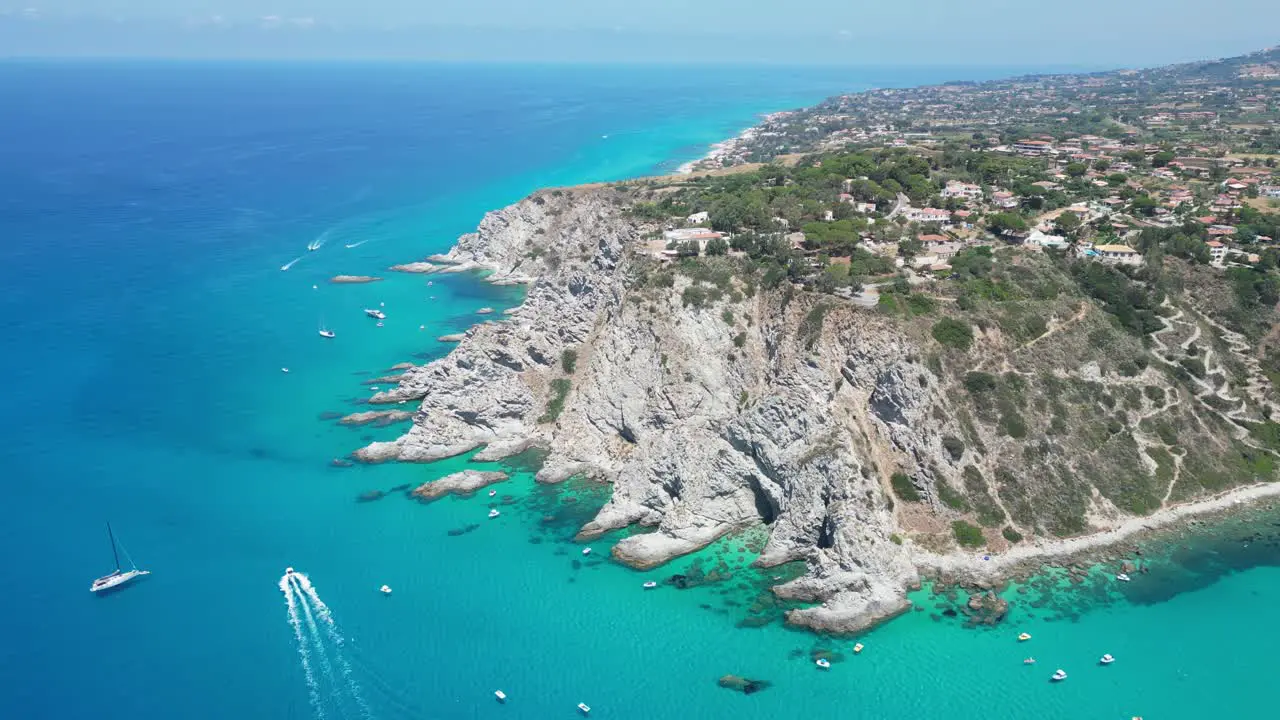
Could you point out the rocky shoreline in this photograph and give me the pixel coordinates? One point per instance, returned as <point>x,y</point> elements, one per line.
<point>705,423</point>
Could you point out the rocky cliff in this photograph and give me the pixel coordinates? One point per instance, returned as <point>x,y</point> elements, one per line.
<point>710,404</point>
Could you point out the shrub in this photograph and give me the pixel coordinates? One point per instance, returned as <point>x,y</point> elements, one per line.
<point>979,382</point>
<point>954,446</point>
<point>559,391</point>
<point>569,360</point>
<point>1011,535</point>
<point>896,539</point>
<point>903,487</point>
<point>727,316</point>
<point>953,333</point>
<point>950,497</point>
<point>740,339</point>
<point>967,535</point>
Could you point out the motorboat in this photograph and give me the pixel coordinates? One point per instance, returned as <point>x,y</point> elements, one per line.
<point>1028,661</point>
<point>1024,637</point>
<point>385,589</point>
<point>492,493</point>
<point>1059,675</point>
<point>284,370</point>
<point>327,334</point>
<point>585,708</point>
<point>1106,659</point>
<point>117,577</point>
<point>857,648</point>
<point>494,513</point>
<point>823,663</point>
<point>650,585</point>
<point>586,551</point>
<point>1122,577</point>
<point>378,324</point>
<point>502,697</point>
<point>375,314</point>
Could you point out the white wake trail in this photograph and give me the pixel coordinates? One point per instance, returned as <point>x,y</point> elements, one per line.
<point>290,264</point>
<point>295,621</point>
<point>320,241</point>
<point>356,245</point>
<point>312,599</point>
<point>316,640</point>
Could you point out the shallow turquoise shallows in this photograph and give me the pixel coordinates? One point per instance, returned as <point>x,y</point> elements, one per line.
<point>146,211</point>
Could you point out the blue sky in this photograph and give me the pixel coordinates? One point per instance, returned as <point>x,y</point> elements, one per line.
<point>1016,33</point>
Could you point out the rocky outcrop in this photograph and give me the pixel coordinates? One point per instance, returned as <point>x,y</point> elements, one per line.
<point>455,337</point>
<point>467,481</point>
<point>353,279</point>
<point>376,417</point>
<point>414,267</point>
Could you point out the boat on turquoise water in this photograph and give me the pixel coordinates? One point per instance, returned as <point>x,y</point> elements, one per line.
<point>1029,661</point>
<point>823,663</point>
<point>375,313</point>
<point>502,697</point>
<point>117,577</point>
<point>494,513</point>
<point>327,334</point>
<point>1106,659</point>
<point>650,585</point>
<point>1122,577</point>
<point>586,551</point>
<point>385,589</point>
<point>586,709</point>
<point>1059,676</point>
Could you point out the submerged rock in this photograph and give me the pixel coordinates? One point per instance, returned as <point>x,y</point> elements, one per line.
<point>413,267</point>
<point>340,463</point>
<point>370,496</point>
<point>381,418</point>
<point>743,685</point>
<point>463,530</point>
<point>353,279</point>
<point>455,337</point>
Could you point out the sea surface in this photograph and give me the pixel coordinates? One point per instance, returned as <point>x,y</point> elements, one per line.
<point>146,211</point>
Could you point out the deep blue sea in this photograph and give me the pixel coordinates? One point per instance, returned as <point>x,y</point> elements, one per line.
<point>146,210</point>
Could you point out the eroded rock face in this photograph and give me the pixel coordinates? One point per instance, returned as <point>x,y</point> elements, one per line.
<point>699,434</point>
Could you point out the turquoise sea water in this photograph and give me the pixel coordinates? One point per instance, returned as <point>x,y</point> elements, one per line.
<point>145,212</point>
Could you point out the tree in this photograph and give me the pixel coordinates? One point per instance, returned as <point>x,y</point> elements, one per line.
<point>1162,158</point>
<point>717,246</point>
<point>909,248</point>
<point>1004,222</point>
<point>1068,223</point>
<point>1076,169</point>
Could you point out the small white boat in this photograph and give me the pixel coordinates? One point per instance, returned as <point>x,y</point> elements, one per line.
<point>315,287</point>
<point>378,324</point>
<point>650,585</point>
<point>585,708</point>
<point>502,697</point>
<point>284,370</point>
<point>422,327</point>
<point>823,663</point>
<point>288,571</point>
<point>375,314</point>
<point>429,283</point>
<point>492,493</point>
<point>494,513</point>
<point>586,551</point>
<point>1059,676</point>
<point>328,334</point>
<point>1106,659</point>
<point>117,577</point>
<point>1122,577</point>
<point>1028,661</point>
<point>385,589</point>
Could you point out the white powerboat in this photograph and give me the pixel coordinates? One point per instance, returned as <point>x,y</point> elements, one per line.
<point>823,663</point>
<point>650,585</point>
<point>378,324</point>
<point>586,551</point>
<point>584,708</point>
<point>1106,659</point>
<point>492,493</point>
<point>385,589</point>
<point>494,513</point>
<point>328,334</point>
<point>117,577</point>
<point>502,697</point>
<point>1059,676</point>
<point>1122,577</point>
<point>375,314</point>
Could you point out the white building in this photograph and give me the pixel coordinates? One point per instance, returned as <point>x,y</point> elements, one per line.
<point>955,189</point>
<point>1217,252</point>
<point>927,215</point>
<point>698,218</point>
<point>1114,254</point>
<point>1041,239</point>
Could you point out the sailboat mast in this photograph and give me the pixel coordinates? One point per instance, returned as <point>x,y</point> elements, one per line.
<point>114,554</point>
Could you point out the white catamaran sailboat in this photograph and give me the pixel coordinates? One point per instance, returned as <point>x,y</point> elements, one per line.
<point>117,578</point>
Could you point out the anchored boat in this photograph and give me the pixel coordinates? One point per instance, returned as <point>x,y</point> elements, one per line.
<point>118,577</point>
